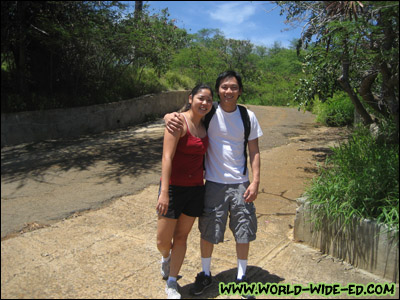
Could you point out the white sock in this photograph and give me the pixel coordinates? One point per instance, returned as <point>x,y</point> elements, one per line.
<point>171,279</point>
<point>242,265</point>
<point>163,259</point>
<point>206,264</point>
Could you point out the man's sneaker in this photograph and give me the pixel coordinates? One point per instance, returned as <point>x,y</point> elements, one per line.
<point>165,269</point>
<point>172,290</point>
<point>244,280</point>
<point>202,282</point>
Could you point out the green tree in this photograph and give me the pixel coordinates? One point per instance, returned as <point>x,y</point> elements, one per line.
<point>57,48</point>
<point>269,74</point>
<point>69,53</point>
<point>240,57</point>
<point>353,45</point>
<point>199,62</point>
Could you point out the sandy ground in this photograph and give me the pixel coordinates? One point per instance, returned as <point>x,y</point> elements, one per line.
<point>110,251</point>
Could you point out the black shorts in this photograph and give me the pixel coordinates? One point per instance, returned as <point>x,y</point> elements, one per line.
<point>184,199</point>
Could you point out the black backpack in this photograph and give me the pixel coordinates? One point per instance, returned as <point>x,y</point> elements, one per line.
<point>246,124</point>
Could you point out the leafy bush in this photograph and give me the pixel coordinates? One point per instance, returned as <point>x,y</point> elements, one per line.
<point>273,90</point>
<point>336,111</point>
<point>362,179</point>
<point>175,81</point>
<point>135,83</point>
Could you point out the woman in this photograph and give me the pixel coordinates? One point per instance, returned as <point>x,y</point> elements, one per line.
<point>181,194</point>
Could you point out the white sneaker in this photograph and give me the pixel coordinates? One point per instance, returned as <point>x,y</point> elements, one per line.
<point>165,269</point>
<point>172,290</point>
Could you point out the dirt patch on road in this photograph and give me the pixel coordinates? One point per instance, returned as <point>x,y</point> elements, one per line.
<point>287,170</point>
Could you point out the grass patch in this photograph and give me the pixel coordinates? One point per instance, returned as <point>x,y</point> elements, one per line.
<point>360,179</point>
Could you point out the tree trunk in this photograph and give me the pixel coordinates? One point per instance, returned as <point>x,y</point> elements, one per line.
<point>21,48</point>
<point>356,102</point>
<point>138,9</point>
<point>344,82</point>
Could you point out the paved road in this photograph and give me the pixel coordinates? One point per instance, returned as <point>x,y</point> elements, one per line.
<point>45,182</point>
<point>111,252</point>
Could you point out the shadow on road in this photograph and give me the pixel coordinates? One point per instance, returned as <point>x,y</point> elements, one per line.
<point>130,155</point>
<point>255,274</point>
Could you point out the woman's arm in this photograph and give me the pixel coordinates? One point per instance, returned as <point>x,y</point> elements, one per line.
<point>169,147</point>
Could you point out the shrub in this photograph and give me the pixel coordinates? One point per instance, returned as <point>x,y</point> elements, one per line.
<point>336,111</point>
<point>272,94</point>
<point>361,179</point>
<point>134,83</point>
<point>175,81</point>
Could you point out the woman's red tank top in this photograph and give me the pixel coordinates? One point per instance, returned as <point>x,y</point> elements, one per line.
<point>187,165</point>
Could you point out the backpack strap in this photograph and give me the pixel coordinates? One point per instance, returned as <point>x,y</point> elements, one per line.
<point>246,124</point>
<point>207,118</point>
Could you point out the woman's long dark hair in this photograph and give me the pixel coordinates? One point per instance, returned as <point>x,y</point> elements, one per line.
<point>196,89</point>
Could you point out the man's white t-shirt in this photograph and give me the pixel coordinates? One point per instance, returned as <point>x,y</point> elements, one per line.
<point>225,155</point>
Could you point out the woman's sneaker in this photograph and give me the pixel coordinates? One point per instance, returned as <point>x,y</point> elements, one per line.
<point>202,282</point>
<point>172,290</point>
<point>165,269</point>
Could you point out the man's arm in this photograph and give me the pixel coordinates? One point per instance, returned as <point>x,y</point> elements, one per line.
<point>252,191</point>
<point>173,122</point>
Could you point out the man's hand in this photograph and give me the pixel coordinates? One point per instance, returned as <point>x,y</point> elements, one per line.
<point>254,153</point>
<point>251,193</point>
<point>173,123</point>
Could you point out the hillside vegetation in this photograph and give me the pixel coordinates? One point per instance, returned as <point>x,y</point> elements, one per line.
<point>76,53</point>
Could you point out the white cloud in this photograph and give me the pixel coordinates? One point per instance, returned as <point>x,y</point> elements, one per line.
<point>240,20</point>
<point>233,12</point>
<point>236,19</point>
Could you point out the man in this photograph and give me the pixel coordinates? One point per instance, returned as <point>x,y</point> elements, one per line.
<point>228,190</point>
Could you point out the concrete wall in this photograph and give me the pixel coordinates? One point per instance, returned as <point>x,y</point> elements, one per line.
<point>365,245</point>
<point>34,126</point>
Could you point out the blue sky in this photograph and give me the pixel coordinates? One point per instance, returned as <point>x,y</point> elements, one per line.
<point>256,21</point>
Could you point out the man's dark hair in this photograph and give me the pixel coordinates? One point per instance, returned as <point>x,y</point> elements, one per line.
<point>228,74</point>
